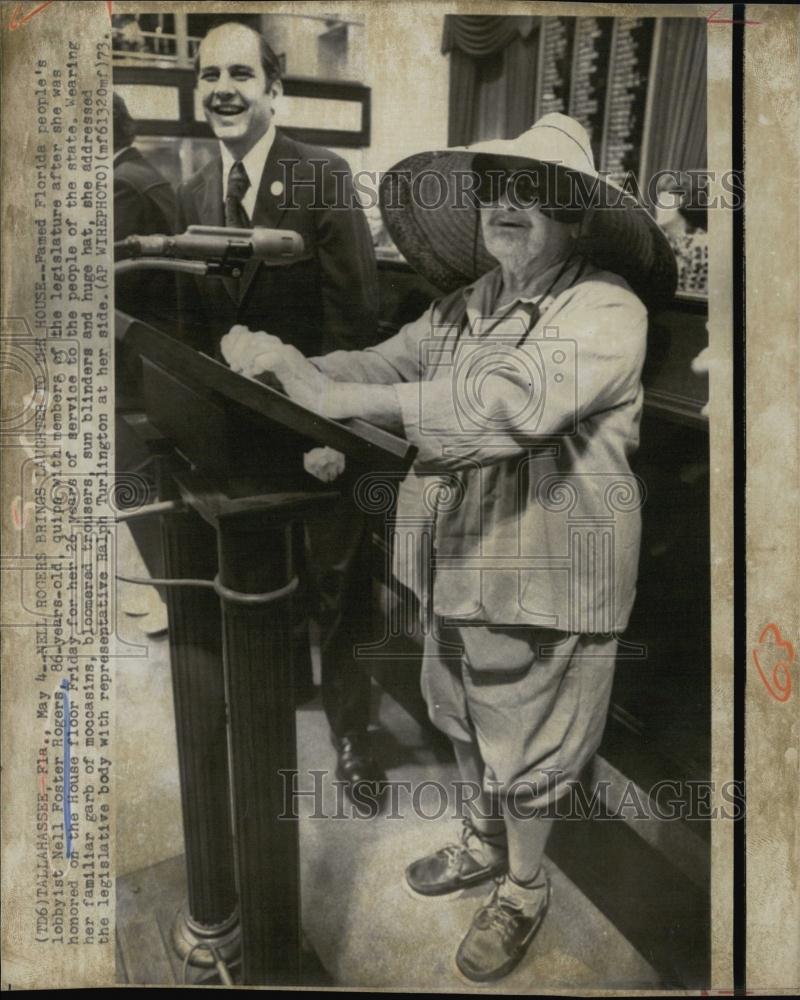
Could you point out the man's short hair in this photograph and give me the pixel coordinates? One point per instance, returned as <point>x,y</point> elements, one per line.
<point>124,129</point>
<point>270,63</point>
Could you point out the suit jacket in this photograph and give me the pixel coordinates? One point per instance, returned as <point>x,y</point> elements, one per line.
<point>326,300</point>
<point>144,205</point>
<point>144,202</point>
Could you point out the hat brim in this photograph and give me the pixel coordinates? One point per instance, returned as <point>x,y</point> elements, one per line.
<point>428,205</point>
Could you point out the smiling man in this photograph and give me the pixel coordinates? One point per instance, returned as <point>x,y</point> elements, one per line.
<point>238,87</point>
<point>325,301</point>
<point>262,177</point>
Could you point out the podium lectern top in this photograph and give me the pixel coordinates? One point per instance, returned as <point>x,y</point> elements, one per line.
<point>365,443</point>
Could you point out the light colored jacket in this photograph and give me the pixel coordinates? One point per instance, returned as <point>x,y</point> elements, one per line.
<point>521,507</point>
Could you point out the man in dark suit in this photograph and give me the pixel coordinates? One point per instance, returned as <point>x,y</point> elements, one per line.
<point>144,205</point>
<point>325,301</point>
<point>263,178</point>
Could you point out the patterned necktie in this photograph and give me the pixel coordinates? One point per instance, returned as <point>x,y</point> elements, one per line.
<point>238,183</point>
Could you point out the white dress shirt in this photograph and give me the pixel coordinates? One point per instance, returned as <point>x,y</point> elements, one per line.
<point>253,163</point>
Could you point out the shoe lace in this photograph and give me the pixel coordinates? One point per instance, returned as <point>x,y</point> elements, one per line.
<point>455,852</point>
<point>501,912</point>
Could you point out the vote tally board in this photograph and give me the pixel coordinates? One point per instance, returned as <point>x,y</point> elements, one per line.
<point>596,70</point>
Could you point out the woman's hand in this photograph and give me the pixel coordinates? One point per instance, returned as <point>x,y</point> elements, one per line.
<point>240,345</point>
<point>252,354</point>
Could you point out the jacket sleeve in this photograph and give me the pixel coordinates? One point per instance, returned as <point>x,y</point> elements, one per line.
<point>403,357</point>
<point>347,264</point>
<point>498,399</point>
<point>128,209</point>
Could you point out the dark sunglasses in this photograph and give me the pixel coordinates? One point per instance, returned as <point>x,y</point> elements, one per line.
<point>520,187</point>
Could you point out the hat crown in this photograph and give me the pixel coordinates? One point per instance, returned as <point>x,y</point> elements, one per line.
<point>441,236</point>
<point>554,138</point>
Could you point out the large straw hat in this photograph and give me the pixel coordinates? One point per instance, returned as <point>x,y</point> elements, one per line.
<point>433,218</point>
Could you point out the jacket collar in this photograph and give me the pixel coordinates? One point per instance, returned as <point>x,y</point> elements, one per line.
<point>488,285</point>
<point>253,162</point>
<point>208,195</point>
<point>480,297</point>
<point>271,196</point>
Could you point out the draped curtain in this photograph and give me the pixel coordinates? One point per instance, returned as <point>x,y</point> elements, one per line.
<point>492,76</point>
<point>677,127</point>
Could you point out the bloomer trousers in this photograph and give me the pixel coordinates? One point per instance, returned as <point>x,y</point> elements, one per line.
<point>533,701</point>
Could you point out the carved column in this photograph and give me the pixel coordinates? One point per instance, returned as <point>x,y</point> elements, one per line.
<point>209,916</point>
<point>255,583</point>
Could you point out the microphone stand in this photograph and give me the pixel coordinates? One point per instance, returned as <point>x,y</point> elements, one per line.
<point>226,261</point>
<point>198,267</point>
<point>217,267</point>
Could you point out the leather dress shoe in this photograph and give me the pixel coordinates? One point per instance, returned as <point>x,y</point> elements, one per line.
<point>356,766</point>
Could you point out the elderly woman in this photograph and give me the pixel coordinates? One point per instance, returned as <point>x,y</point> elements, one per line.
<point>521,390</point>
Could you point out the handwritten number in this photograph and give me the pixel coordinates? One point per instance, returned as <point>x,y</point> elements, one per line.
<point>780,678</point>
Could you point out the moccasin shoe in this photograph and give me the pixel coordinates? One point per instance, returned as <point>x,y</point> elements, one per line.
<point>502,931</point>
<point>456,866</point>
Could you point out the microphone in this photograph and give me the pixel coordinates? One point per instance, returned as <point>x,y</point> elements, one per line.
<point>213,243</point>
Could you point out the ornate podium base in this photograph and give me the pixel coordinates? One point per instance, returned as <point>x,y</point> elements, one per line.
<point>193,941</point>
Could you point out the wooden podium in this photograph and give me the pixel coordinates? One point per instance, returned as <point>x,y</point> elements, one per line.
<point>229,451</point>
